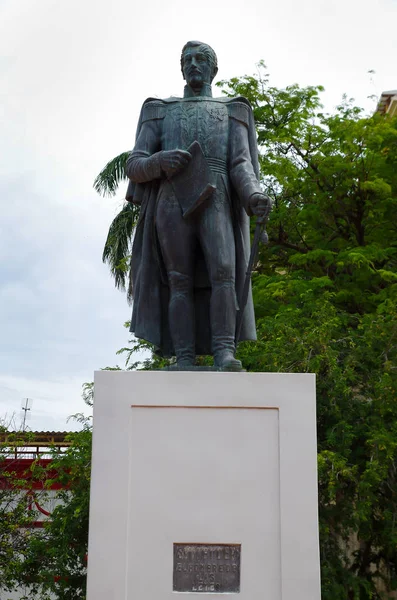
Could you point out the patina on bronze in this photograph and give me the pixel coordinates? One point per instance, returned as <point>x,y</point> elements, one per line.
<point>191,246</point>
<point>207,568</point>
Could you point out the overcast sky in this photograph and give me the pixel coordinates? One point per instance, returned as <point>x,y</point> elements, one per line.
<point>73,76</point>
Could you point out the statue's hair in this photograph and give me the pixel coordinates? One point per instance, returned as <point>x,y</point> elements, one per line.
<point>208,53</point>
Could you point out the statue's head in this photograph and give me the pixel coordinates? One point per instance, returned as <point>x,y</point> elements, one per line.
<point>198,63</point>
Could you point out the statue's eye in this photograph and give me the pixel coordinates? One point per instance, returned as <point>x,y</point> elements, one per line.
<point>200,57</point>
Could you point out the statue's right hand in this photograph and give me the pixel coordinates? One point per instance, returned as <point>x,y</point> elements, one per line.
<point>172,161</point>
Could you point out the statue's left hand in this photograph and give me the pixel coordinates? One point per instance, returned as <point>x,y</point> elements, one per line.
<point>259,204</point>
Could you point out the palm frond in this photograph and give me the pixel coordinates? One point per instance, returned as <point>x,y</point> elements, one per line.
<point>117,249</point>
<point>108,180</point>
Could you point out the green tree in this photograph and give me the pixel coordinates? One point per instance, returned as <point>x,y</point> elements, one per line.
<point>117,249</point>
<point>325,298</point>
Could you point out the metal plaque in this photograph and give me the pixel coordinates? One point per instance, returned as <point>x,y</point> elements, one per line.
<point>208,568</point>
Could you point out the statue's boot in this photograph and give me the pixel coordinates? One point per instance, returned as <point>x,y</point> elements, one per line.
<point>182,319</point>
<point>223,325</point>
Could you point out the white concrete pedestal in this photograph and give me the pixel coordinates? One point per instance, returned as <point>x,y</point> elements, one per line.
<point>210,458</point>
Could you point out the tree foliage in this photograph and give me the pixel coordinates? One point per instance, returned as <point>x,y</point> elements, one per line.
<point>325,294</point>
<point>107,181</point>
<point>117,249</point>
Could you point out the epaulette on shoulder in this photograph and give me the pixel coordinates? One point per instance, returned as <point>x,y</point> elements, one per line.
<point>239,111</point>
<point>153,110</point>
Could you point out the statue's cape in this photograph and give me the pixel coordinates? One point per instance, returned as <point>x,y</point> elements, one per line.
<point>148,279</point>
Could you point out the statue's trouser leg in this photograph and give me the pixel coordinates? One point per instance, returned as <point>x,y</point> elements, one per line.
<point>177,241</point>
<point>217,240</point>
<point>181,317</point>
<point>223,323</point>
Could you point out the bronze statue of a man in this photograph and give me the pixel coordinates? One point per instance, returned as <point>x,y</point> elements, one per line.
<point>194,171</point>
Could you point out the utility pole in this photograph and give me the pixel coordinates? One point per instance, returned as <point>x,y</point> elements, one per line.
<point>26,407</point>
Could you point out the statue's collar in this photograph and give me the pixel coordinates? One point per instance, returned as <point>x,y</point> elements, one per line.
<point>205,91</point>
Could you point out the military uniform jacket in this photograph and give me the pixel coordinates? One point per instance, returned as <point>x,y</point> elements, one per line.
<point>225,129</point>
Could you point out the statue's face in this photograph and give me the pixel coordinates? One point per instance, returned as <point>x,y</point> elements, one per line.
<point>196,68</point>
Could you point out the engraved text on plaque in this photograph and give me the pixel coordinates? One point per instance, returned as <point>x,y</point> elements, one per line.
<point>207,568</point>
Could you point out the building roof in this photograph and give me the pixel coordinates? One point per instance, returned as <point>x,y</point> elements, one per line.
<point>37,443</point>
<point>388,103</point>
<point>34,438</point>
